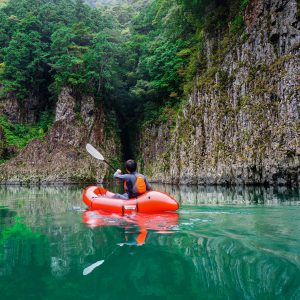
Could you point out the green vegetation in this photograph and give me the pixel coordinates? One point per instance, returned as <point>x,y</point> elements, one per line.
<point>3,3</point>
<point>51,44</point>
<point>18,231</point>
<point>138,58</point>
<point>19,236</point>
<point>238,22</point>
<point>46,45</point>
<point>20,134</point>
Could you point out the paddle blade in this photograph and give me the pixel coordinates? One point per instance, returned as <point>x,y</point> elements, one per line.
<point>94,152</point>
<point>91,268</point>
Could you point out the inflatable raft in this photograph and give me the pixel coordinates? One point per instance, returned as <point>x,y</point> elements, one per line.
<point>151,202</point>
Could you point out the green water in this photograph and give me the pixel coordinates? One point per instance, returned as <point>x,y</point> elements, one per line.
<point>224,243</point>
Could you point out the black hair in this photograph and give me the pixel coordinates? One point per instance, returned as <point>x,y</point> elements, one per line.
<point>131,165</point>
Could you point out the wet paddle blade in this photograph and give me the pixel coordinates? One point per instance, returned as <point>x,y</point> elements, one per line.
<point>94,152</point>
<point>91,268</point>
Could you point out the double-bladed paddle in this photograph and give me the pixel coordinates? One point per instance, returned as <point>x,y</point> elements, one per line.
<point>95,153</point>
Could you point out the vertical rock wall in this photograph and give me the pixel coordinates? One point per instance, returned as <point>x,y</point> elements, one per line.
<point>26,111</point>
<point>60,157</point>
<point>241,124</point>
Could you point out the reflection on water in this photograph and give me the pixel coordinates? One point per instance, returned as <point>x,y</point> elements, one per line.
<point>52,248</point>
<point>69,197</point>
<point>212,195</point>
<point>141,223</point>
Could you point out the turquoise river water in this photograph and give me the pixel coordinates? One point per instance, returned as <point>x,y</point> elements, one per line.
<point>223,243</point>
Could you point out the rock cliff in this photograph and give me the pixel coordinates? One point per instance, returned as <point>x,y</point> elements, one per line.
<point>60,157</point>
<point>22,111</point>
<point>240,124</point>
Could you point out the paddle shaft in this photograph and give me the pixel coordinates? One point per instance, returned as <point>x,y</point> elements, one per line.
<point>113,168</point>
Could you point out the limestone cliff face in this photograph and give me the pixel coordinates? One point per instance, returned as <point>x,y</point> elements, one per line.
<point>241,123</point>
<point>60,157</point>
<point>22,111</point>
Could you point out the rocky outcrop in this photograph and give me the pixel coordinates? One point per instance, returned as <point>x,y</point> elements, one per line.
<point>25,111</point>
<point>241,122</point>
<point>60,157</point>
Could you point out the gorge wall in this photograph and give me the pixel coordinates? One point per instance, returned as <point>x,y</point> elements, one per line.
<point>241,122</point>
<point>60,157</point>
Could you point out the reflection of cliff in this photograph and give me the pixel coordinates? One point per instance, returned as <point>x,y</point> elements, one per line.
<point>248,252</point>
<point>227,264</point>
<point>16,243</point>
<point>214,195</point>
<point>35,202</point>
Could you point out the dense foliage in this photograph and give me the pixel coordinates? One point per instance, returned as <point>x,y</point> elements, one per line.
<point>138,56</point>
<point>49,44</point>
<point>18,135</point>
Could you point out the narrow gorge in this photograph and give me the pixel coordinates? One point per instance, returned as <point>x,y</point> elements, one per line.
<point>212,99</point>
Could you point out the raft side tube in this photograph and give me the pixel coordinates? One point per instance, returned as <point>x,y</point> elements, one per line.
<point>155,201</point>
<point>150,202</point>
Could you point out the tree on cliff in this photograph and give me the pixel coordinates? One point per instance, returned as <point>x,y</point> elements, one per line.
<point>139,56</point>
<point>67,50</point>
<point>102,64</point>
<point>24,59</point>
<point>56,43</point>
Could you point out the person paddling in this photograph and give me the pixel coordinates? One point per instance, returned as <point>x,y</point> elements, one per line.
<point>135,184</point>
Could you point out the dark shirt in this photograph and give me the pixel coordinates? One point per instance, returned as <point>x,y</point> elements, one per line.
<point>130,182</point>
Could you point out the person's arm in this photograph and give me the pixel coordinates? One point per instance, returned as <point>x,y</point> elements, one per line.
<point>148,186</point>
<point>118,174</point>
